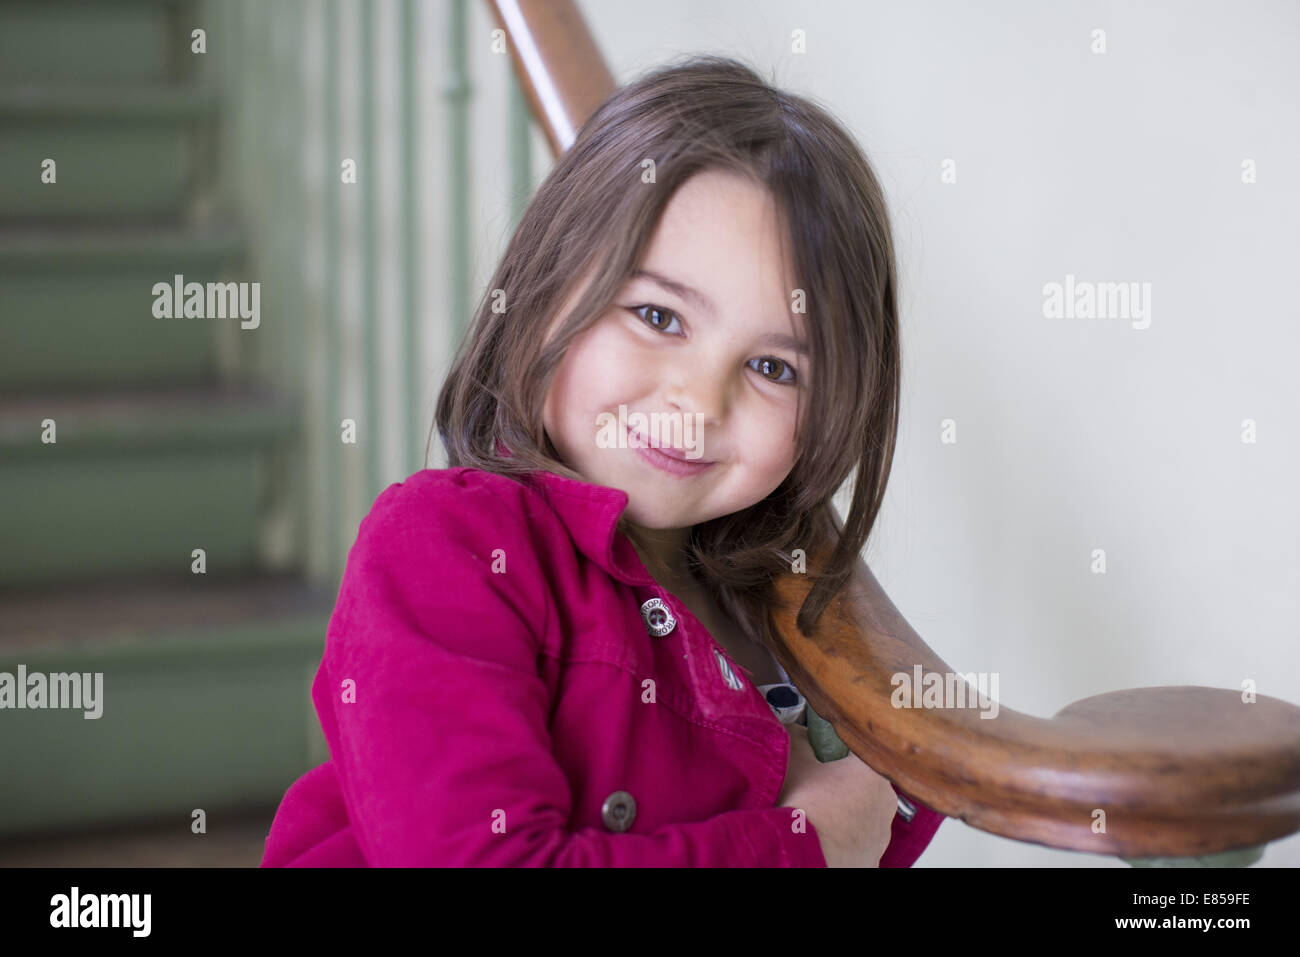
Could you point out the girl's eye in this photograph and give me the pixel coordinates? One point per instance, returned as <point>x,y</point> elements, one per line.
<point>771,360</point>
<point>671,318</point>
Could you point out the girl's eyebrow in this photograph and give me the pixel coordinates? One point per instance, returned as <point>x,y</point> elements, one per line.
<point>679,289</point>
<point>691,294</point>
<point>784,341</point>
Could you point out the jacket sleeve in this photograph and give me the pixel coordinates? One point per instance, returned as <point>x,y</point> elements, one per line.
<point>437,717</point>
<point>910,838</point>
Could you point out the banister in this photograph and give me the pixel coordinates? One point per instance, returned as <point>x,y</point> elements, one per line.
<point>558,63</point>
<point>1178,771</point>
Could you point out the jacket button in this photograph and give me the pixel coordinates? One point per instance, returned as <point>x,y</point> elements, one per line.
<point>619,811</point>
<point>659,621</point>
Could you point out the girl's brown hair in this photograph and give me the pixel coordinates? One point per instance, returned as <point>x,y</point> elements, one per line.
<point>593,216</point>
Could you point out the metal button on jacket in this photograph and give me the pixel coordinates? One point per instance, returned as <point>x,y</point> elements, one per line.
<point>659,620</point>
<point>619,811</point>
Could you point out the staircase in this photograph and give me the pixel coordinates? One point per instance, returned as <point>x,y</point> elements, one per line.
<point>161,446</point>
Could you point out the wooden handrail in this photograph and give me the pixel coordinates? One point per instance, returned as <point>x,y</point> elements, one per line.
<point>557,62</point>
<point>1176,771</point>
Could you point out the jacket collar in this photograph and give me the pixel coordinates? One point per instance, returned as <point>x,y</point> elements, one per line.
<point>590,513</point>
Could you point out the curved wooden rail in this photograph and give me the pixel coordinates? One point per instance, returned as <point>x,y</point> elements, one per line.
<point>1177,771</point>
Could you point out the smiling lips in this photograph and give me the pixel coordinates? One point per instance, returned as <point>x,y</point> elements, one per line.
<point>672,461</point>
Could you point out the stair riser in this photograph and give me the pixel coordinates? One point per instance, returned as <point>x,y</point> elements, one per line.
<point>124,167</point>
<point>71,517</point>
<point>55,41</point>
<point>239,728</point>
<point>93,330</point>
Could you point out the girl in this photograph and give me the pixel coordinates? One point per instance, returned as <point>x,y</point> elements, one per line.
<point>554,651</point>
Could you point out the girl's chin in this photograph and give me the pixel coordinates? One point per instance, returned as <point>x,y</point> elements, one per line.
<point>653,512</point>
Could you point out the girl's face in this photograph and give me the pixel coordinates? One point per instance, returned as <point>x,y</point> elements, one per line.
<point>708,356</point>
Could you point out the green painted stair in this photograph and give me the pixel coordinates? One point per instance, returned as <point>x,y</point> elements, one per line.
<point>77,310</point>
<point>204,700</point>
<point>135,481</point>
<point>205,677</point>
<point>117,151</point>
<point>45,41</point>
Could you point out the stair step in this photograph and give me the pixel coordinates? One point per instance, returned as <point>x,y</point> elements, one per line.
<point>118,151</point>
<point>85,103</point>
<point>60,248</point>
<point>180,419</point>
<point>204,703</point>
<point>136,481</point>
<point>152,614</point>
<point>126,40</point>
<point>77,311</point>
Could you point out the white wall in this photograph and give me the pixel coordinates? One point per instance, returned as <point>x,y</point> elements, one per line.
<point>1072,434</point>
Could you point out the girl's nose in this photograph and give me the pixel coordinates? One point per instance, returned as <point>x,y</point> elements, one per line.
<point>700,394</point>
<point>697,429</point>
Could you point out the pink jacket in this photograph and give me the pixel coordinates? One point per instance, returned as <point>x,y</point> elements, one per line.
<point>492,694</point>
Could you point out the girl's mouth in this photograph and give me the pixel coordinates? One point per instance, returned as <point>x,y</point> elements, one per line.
<point>675,464</point>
